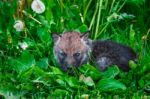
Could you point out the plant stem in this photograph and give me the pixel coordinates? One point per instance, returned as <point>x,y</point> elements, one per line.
<point>30,16</point>
<point>93,19</point>
<point>87,7</point>
<point>121,6</point>
<point>103,29</point>
<point>98,18</point>
<point>112,4</point>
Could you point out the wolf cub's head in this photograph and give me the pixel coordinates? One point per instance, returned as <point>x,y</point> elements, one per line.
<point>71,49</point>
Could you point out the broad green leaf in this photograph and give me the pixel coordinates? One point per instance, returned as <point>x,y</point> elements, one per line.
<point>43,63</point>
<point>44,35</point>
<point>141,83</point>
<point>24,62</point>
<point>61,82</point>
<point>109,85</point>
<point>87,80</point>
<point>111,72</point>
<point>38,71</point>
<point>82,28</point>
<point>60,92</point>
<point>91,71</point>
<point>56,71</point>
<point>32,73</point>
<point>25,75</point>
<point>73,82</point>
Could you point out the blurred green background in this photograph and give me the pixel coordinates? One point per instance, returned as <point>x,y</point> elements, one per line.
<point>27,65</point>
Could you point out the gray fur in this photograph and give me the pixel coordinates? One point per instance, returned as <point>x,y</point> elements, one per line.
<point>107,53</point>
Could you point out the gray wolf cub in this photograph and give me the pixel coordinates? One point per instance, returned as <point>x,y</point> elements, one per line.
<point>73,49</point>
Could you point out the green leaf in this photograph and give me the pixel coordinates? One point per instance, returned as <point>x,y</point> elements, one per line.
<point>132,35</point>
<point>132,64</point>
<point>43,63</point>
<point>91,71</point>
<point>82,28</point>
<point>111,72</point>
<point>38,71</point>
<point>44,35</point>
<point>72,82</point>
<point>61,82</point>
<point>137,2</point>
<point>147,86</point>
<point>109,85</point>
<point>87,80</point>
<point>141,83</point>
<point>60,92</point>
<point>27,86</point>
<point>25,75</point>
<point>32,73</point>
<point>56,71</point>
<point>24,62</point>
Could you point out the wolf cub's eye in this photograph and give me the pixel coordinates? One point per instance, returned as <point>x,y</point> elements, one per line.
<point>63,54</point>
<point>76,54</point>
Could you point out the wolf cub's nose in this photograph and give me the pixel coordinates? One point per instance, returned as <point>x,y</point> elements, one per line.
<point>69,66</point>
<point>70,62</point>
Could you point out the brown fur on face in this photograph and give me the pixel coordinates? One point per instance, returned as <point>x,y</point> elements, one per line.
<point>68,45</point>
<point>71,43</point>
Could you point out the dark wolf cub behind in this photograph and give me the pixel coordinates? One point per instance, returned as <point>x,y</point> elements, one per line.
<point>73,49</point>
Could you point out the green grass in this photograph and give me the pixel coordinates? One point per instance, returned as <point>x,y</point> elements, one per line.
<point>34,73</point>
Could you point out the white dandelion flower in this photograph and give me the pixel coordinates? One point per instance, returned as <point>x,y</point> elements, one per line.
<point>23,45</point>
<point>19,25</point>
<point>38,6</point>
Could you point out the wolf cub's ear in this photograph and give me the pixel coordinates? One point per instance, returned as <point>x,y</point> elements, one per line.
<point>85,36</point>
<point>55,37</point>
